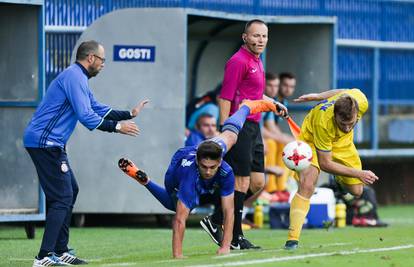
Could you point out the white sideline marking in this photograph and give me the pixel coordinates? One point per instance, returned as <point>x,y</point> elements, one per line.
<point>318,246</point>
<point>332,245</point>
<point>97,260</point>
<point>305,256</point>
<point>108,258</point>
<point>171,260</point>
<point>119,264</point>
<point>228,255</point>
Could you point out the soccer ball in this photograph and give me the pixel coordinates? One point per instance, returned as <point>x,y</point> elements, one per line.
<point>297,155</point>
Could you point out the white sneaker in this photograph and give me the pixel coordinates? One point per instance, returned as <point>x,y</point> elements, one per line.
<point>49,260</point>
<point>70,258</point>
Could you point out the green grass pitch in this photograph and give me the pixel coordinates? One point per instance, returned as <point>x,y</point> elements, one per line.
<point>363,247</point>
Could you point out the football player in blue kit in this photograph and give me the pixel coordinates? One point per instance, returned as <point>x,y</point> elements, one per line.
<point>198,175</point>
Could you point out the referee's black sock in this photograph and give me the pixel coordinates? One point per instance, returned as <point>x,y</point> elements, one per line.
<point>238,211</point>
<point>249,194</point>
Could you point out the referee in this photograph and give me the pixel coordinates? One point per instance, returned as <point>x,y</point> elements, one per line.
<point>67,101</point>
<point>244,78</point>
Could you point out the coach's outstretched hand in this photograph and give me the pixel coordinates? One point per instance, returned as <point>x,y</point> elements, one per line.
<point>137,109</point>
<point>128,128</point>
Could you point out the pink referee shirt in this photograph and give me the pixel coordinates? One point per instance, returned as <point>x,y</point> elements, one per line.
<point>244,78</point>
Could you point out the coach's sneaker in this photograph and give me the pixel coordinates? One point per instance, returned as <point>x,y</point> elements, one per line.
<point>257,106</point>
<point>213,230</point>
<point>130,169</point>
<point>70,258</point>
<point>49,260</point>
<point>242,243</point>
<point>291,244</point>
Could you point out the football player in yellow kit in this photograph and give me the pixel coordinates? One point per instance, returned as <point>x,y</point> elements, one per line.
<point>328,129</point>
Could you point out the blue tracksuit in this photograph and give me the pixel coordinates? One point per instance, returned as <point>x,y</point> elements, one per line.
<point>67,100</point>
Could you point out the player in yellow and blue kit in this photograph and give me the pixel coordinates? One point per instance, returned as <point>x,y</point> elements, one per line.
<point>197,173</point>
<point>328,129</point>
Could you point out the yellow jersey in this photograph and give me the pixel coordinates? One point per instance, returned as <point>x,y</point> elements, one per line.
<point>319,127</point>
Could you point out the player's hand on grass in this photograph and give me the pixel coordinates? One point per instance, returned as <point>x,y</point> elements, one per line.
<point>223,250</point>
<point>128,128</point>
<point>368,177</point>
<point>281,110</point>
<point>307,98</point>
<point>181,256</point>
<point>137,108</point>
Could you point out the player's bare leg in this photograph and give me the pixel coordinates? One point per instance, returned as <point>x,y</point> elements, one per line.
<point>355,189</point>
<point>257,181</point>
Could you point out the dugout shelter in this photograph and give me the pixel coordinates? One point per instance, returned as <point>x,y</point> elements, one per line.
<point>169,55</point>
<point>21,90</point>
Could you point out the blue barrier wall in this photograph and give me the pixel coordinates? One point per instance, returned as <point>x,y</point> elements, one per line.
<point>390,21</point>
<point>368,20</point>
<point>362,19</point>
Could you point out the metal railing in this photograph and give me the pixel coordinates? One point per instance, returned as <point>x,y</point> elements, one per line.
<point>384,70</point>
<point>377,48</point>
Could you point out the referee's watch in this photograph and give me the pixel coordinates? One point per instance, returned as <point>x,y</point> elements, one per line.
<point>118,127</point>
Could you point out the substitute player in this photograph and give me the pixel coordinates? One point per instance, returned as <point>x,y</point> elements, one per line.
<point>196,174</point>
<point>328,129</point>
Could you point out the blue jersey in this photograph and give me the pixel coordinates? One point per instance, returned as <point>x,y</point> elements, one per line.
<point>67,100</point>
<point>194,138</point>
<point>184,179</point>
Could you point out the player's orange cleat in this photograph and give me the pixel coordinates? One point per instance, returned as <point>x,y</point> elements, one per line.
<point>257,106</point>
<point>131,170</point>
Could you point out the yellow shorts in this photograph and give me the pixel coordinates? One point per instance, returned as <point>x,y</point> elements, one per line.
<point>345,155</point>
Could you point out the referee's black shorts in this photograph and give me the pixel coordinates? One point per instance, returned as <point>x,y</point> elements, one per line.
<point>247,154</point>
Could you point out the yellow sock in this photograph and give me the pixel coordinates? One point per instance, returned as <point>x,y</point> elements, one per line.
<point>270,160</point>
<point>299,208</point>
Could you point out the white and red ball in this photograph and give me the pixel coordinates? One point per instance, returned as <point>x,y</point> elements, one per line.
<point>297,155</point>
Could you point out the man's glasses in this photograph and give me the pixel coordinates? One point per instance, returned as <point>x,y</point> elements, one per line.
<point>101,58</point>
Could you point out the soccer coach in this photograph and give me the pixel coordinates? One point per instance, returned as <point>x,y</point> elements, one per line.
<point>67,101</point>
